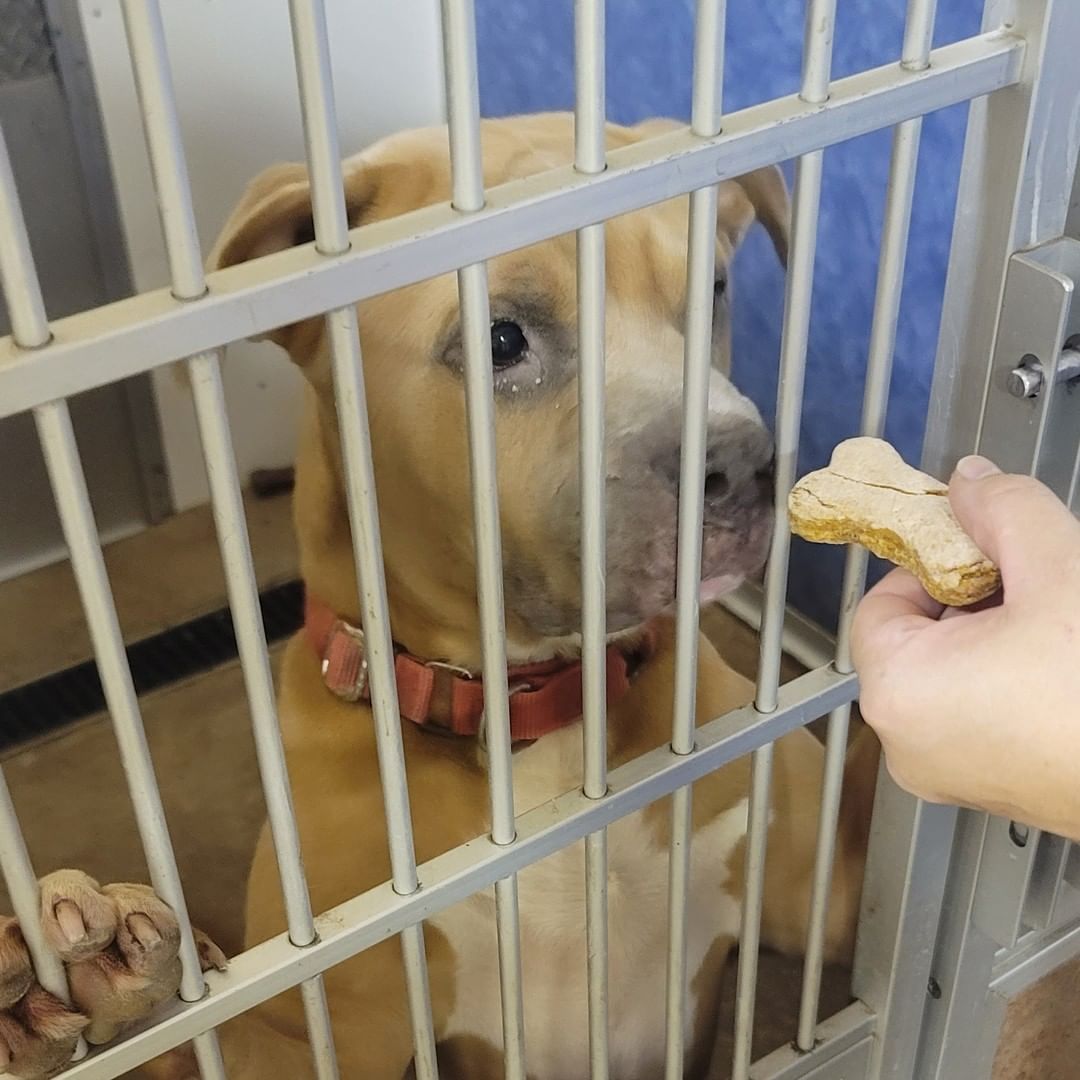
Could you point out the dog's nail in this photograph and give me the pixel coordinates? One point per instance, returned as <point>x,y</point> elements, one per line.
<point>143,930</point>
<point>70,919</point>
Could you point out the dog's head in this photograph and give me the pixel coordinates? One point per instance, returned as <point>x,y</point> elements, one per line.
<point>413,367</point>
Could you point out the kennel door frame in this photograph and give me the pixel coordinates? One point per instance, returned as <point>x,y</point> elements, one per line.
<point>44,363</point>
<point>947,935</point>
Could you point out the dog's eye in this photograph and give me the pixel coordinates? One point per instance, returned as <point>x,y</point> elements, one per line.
<point>508,343</point>
<point>720,288</point>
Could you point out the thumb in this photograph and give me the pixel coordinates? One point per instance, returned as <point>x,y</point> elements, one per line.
<point>1016,521</point>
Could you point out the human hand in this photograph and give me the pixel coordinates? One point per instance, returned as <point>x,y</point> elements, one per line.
<point>981,707</point>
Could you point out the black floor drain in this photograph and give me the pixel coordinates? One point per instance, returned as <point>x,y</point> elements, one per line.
<point>178,653</point>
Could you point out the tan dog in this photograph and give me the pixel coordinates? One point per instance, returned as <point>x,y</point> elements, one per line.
<point>413,369</point>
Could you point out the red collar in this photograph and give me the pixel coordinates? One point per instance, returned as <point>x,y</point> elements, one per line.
<point>544,696</point>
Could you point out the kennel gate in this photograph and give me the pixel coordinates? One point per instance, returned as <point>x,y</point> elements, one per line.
<point>960,911</point>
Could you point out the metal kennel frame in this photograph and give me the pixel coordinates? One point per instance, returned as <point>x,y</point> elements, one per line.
<point>960,911</point>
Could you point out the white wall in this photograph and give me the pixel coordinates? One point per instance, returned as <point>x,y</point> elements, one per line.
<point>236,89</point>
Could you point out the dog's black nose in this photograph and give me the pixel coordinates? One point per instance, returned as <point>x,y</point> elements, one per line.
<point>740,466</point>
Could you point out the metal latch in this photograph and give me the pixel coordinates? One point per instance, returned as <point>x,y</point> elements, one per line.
<point>1027,379</point>
<point>1031,420</point>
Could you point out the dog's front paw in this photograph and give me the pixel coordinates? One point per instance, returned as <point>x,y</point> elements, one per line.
<point>119,944</point>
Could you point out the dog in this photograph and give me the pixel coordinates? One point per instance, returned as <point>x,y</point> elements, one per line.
<point>120,940</point>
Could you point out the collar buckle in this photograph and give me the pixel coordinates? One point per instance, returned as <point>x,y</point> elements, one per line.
<point>344,662</point>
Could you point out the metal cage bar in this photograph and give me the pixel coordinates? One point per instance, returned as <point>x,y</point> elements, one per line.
<point>467,186</point>
<point>705,122</point>
<point>330,219</point>
<point>22,887</point>
<point>590,154</point>
<point>915,54</point>
<point>146,41</point>
<point>816,79</point>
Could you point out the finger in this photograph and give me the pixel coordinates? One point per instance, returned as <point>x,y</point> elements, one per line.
<point>898,604</point>
<point>988,604</point>
<point>1017,522</point>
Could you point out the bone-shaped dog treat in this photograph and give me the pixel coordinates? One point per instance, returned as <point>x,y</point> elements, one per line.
<point>868,495</point>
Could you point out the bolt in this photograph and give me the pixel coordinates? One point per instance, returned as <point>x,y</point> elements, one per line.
<point>933,988</point>
<point>1025,381</point>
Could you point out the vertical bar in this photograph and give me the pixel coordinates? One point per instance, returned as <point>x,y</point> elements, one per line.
<point>817,68</point>
<point>414,958</point>
<point>815,88</point>
<point>331,237</point>
<point>25,896</point>
<point>312,54</point>
<point>231,524</point>
<point>73,503</point>
<point>678,884</point>
<point>831,789</point>
<point>26,308</point>
<point>596,933</point>
<point>590,157</point>
<point>915,54</point>
<point>251,638</point>
<point>146,40</point>
<point>589,130</point>
<point>459,39</point>
<point>467,184</point>
<point>705,121</point>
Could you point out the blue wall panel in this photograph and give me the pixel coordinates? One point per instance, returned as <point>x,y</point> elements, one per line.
<point>526,65</point>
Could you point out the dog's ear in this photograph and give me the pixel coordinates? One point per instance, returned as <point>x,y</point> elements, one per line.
<point>761,195</point>
<point>274,213</point>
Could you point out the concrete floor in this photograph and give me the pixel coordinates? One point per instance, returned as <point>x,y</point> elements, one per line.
<point>70,795</point>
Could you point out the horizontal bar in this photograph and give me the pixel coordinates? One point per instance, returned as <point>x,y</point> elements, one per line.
<point>840,1033</point>
<point>794,343</point>
<point>137,334</point>
<point>68,481</point>
<point>1035,959</point>
<point>276,965</point>
<point>803,639</point>
<point>161,122</point>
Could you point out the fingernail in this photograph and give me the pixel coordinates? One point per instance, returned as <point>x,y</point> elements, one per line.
<point>974,467</point>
